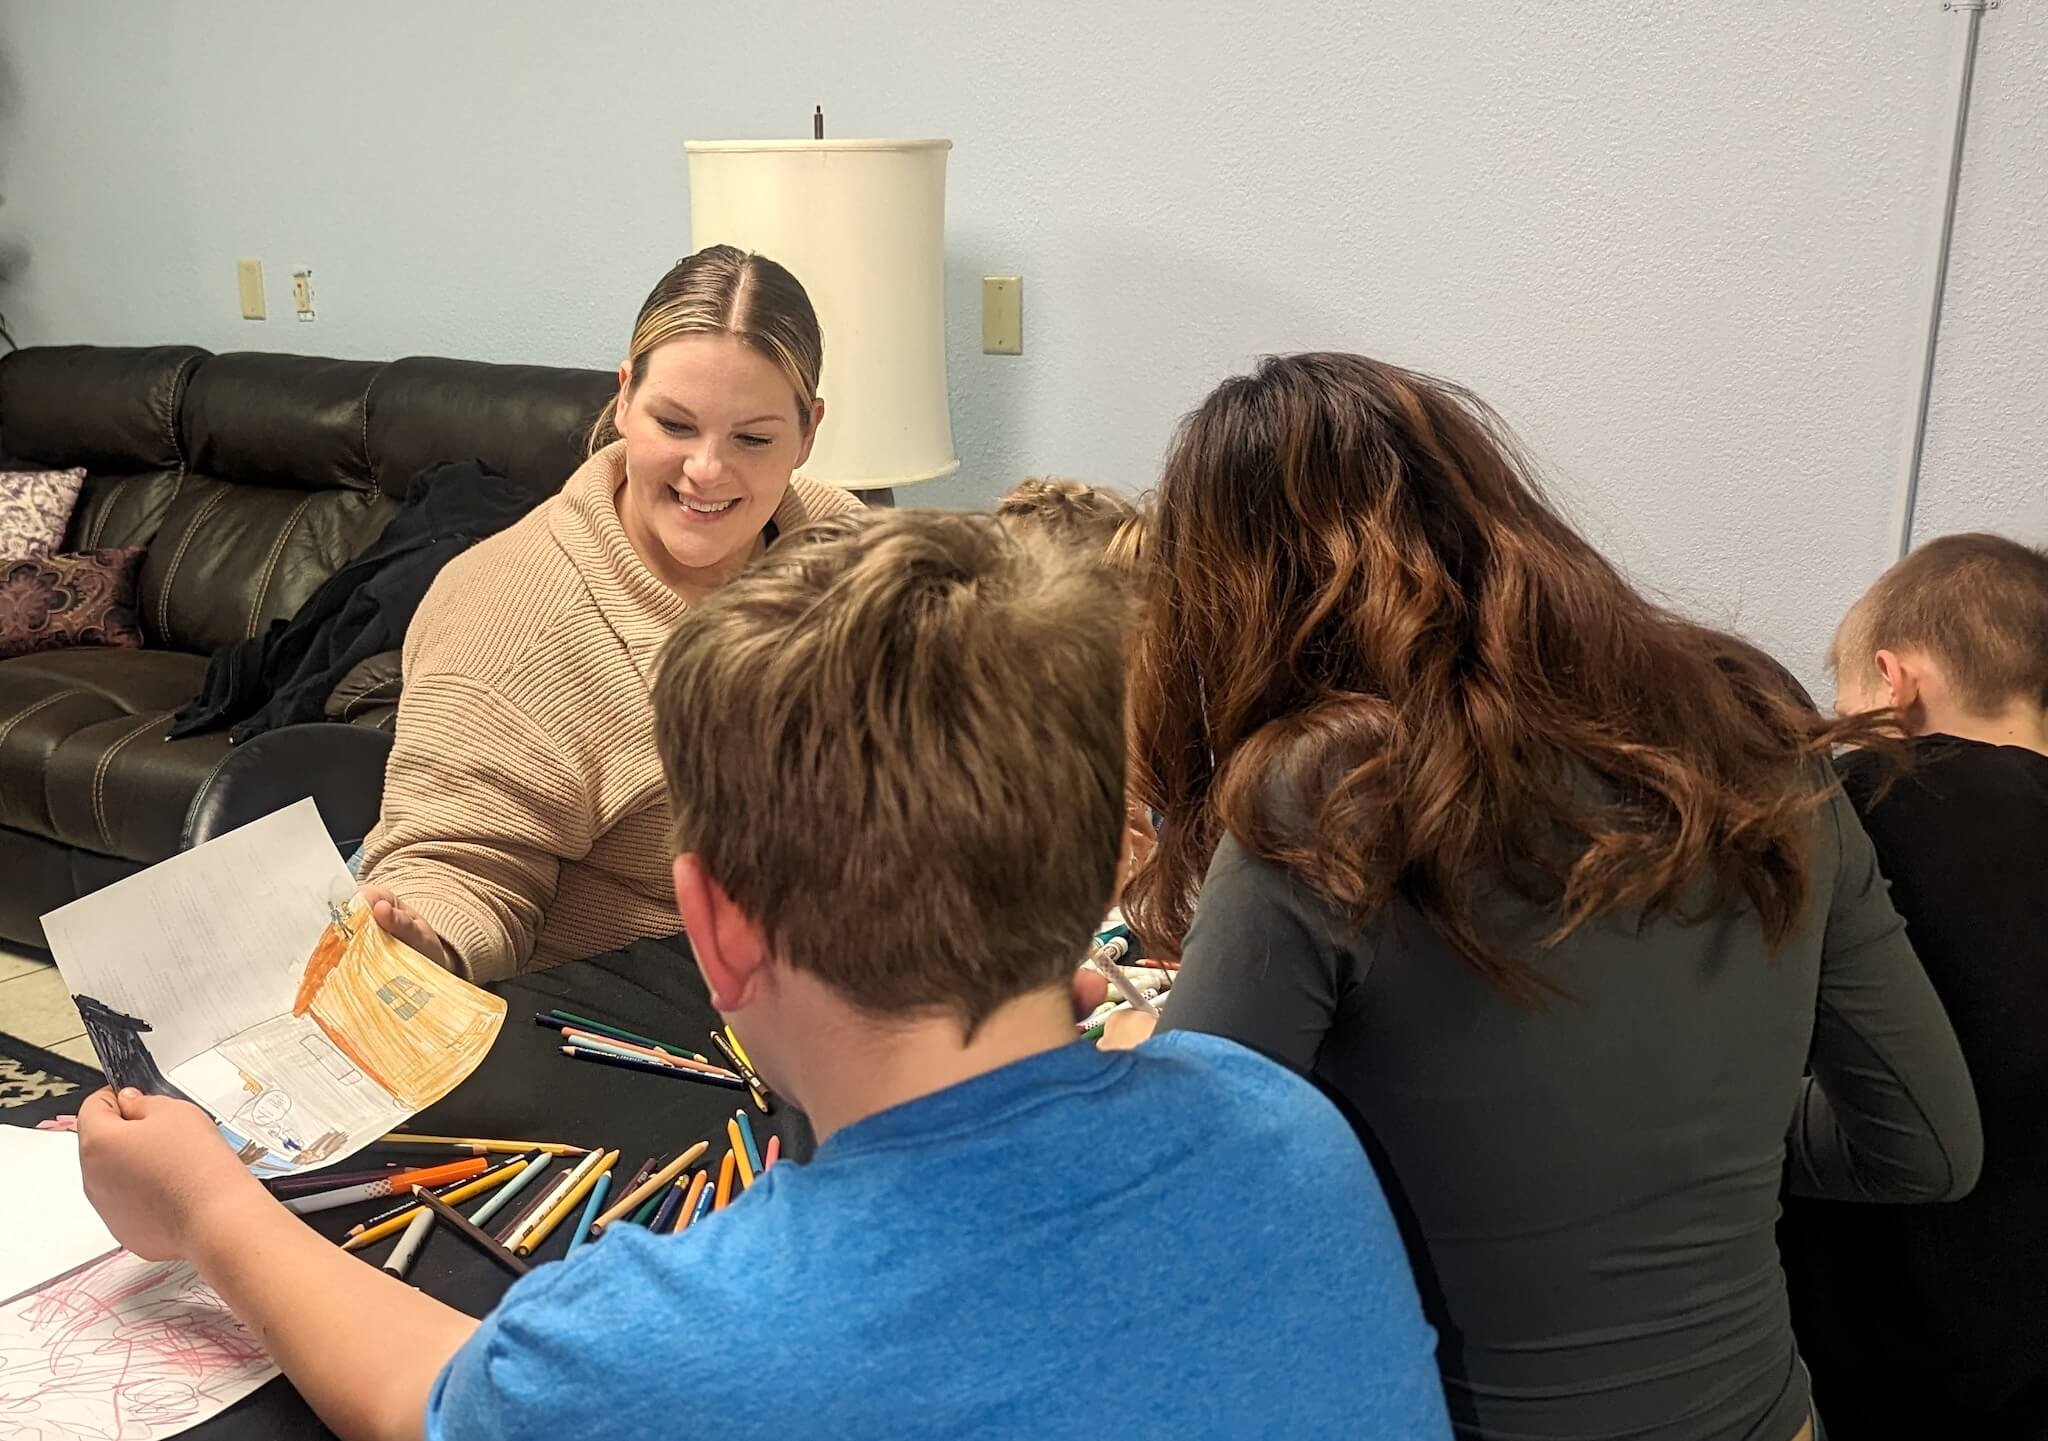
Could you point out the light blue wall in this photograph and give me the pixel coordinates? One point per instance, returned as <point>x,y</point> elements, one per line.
<point>1685,247</point>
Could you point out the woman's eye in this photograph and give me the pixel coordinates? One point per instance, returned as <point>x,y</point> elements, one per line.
<point>677,427</point>
<point>757,441</point>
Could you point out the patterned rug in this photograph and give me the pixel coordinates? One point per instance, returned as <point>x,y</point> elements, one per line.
<point>36,1085</point>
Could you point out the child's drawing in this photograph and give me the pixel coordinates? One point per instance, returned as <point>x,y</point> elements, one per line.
<point>123,1348</point>
<point>272,999</point>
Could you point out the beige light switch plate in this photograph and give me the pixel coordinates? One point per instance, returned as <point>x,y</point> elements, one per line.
<point>1002,315</point>
<point>249,280</point>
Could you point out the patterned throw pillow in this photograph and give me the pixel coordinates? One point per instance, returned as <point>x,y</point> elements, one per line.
<point>86,598</point>
<point>35,506</point>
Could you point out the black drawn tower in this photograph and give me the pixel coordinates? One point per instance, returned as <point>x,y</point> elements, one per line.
<point>117,1038</point>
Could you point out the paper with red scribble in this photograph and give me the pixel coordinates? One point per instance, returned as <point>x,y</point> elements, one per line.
<point>124,1350</point>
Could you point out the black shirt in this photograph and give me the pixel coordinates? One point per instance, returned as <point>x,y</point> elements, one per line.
<point>1589,1188</point>
<point>1933,1320</point>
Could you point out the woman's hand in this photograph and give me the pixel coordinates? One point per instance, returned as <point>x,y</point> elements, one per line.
<point>396,919</point>
<point>154,1167</point>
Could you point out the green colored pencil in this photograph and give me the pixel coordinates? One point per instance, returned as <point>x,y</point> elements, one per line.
<point>572,1019</point>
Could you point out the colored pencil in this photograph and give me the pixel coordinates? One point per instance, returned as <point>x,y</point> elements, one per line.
<point>282,1186</point>
<point>671,1202</point>
<point>510,1168</point>
<point>519,1215</point>
<point>470,1233</point>
<point>537,1163</point>
<point>739,1050</point>
<point>703,1207</point>
<point>575,1037</point>
<point>645,1215</point>
<point>570,1018</point>
<point>756,1087</point>
<point>653,1068</point>
<point>635,1198</point>
<point>537,1237</point>
<point>743,1163</point>
<point>725,1170</point>
<point>398,1223</point>
<point>409,1244</point>
<point>633,1181</point>
<point>773,1154</point>
<point>479,1143</point>
<point>550,1199</point>
<point>396,1184</point>
<point>699,1187</point>
<point>1105,957</point>
<point>747,1134</point>
<point>591,1207</point>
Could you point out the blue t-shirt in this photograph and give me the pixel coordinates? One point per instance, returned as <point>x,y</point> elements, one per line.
<point>957,1266</point>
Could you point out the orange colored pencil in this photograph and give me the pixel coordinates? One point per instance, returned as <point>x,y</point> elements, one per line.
<point>725,1174</point>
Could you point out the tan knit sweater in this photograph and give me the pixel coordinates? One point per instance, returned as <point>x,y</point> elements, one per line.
<point>525,816</point>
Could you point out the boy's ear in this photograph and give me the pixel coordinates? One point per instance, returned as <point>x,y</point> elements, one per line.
<point>728,946</point>
<point>1902,680</point>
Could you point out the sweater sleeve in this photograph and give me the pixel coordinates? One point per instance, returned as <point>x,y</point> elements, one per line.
<point>1258,967</point>
<point>1888,1112</point>
<point>480,810</point>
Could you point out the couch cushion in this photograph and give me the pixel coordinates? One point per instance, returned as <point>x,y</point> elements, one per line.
<point>292,422</point>
<point>82,754</point>
<point>103,407</point>
<point>121,509</point>
<point>35,509</point>
<point>528,423</point>
<point>230,559</point>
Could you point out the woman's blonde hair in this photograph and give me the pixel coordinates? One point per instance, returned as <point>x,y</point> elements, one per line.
<point>723,290</point>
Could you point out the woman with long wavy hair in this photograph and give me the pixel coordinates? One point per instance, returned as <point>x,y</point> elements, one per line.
<point>1549,888</point>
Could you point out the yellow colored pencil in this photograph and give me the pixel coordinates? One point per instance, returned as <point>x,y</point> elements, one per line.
<point>738,1049</point>
<point>482,1144</point>
<point>690,1201</point>
<point>538,1235</point>
<point>725,1169</point>
<point>739,1154</point>
<point>489,1181</point>
<point>632,1200</point>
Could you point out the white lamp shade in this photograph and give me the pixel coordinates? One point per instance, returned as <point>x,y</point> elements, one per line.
<point>862,224</point>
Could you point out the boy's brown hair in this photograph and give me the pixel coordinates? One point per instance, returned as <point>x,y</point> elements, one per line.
<point>1976,604</point>
<point>1069,511</point>
<point>897,742</point>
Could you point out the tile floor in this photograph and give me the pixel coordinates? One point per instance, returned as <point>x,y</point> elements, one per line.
<point>35,1007</point>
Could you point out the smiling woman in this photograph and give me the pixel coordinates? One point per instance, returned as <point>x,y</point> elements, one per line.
<point>524,820</point>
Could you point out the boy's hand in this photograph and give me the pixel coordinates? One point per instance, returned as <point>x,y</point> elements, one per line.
<point>153,1166</point>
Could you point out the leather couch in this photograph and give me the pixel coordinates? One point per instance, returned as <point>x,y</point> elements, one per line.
<point>251,478</point>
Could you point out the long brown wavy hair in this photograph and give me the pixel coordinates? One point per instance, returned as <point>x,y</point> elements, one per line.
<point>1373,653</point>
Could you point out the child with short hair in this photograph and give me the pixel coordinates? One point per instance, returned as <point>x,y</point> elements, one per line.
<point>1933,1320</point>
<point>928,713</point>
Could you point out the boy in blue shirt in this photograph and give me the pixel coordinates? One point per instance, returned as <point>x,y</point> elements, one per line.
<point>895,755</point>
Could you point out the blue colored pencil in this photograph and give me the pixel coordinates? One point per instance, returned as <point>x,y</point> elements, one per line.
<point>665,1218</point>
<point>704,1204</point>
<point>537,1162</point>
<point>590,1209</point>
<point>747,1136</point>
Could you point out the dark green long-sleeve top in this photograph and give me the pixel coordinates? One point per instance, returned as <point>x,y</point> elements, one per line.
<point>1588,1187</point>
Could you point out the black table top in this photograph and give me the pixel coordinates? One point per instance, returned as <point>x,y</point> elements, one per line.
<point>526,1089</point>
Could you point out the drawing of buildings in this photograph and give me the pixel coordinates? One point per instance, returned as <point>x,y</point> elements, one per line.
<point>403,1021</point>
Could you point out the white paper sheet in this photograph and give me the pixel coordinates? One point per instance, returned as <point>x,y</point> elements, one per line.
<point>246,976</point>
<point>124,1350</point>
<point>49,1225</point>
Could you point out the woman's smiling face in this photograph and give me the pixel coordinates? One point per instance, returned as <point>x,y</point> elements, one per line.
<point>713,431</point>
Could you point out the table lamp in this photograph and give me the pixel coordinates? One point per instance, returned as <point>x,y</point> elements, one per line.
<point>862,223</point>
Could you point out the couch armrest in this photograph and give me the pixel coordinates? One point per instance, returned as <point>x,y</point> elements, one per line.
<point>371,685</point>
<point>340,766</point>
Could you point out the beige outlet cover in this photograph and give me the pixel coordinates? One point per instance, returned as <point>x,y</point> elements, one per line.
<point>249,280</point>
<point>1002,315</point>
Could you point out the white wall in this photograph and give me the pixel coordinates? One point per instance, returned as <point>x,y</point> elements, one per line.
<point>1685,247</point>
